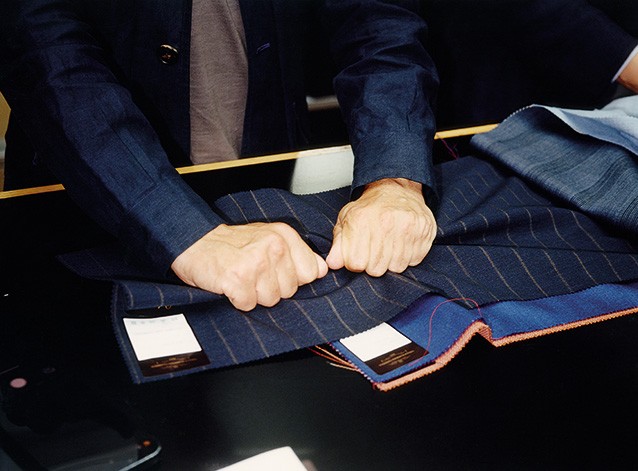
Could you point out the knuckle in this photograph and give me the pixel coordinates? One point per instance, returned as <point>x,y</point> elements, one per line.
<point>376,271</point>
<point>278,248</point>
<point>275,245</point>
<point>242,302</point>
<point>356,265</point>
<point>269,301</point>
<point>288,292</point>
<point>398,266</point>
<point>388,221</point>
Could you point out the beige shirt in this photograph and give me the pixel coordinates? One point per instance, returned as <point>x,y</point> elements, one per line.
<point>218,80</point>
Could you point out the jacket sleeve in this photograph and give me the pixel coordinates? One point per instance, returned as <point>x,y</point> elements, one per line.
<point>84,124</point>
<point>386,85</point>
<point>573,45</point>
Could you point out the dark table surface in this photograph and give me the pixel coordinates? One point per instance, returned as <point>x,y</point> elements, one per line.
<point>565,401</point>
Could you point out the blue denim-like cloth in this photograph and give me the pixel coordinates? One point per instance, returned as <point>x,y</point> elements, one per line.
<point>596,172</point>
<point>498,240</point>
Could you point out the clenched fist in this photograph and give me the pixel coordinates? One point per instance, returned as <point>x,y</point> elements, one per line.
<point>389,227</point>
<point>251,264</point>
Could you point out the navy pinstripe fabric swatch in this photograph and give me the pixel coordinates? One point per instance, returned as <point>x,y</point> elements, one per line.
<point>499,239</point>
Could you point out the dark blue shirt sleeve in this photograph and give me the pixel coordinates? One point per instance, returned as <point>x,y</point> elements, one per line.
<point>386,86</point>
<point>84,124</point>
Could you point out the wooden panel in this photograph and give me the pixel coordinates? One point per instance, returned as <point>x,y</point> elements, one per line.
<point>4,115</point>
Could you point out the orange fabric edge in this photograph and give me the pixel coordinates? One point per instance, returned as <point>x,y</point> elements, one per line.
<point>479,327</point>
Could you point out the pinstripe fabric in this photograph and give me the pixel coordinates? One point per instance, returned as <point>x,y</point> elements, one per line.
<point>498,240</point>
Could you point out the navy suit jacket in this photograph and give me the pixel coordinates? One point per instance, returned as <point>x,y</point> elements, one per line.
<point>98,100</point>
<point>100,89</point>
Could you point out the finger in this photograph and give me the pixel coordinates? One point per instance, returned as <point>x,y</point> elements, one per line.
<point>306,265</point>
<point>243,297</point>
<point>355,247</point>
<point>322,266</point>
<point>287,284</point>
<point>268,291</point>
<point>254,278</point>
<point>382,251</point>
<point>335,256</point>
<point>425,244</point>
<point>279,279</point>
<point>401,255</point>
<point>419,252</point>
<point>242,303</point>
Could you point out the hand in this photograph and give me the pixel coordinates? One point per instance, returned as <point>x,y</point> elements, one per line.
<point>259,263</point>
<point>629,76</point>
<point>388,228</point>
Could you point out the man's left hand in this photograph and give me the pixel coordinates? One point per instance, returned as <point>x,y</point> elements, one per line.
<point>389,227</point>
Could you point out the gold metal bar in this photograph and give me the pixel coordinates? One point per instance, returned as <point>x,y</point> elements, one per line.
<point>258,160</point>
<point>464,131</point>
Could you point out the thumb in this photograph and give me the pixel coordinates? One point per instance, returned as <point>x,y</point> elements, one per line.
<point>322,267</point>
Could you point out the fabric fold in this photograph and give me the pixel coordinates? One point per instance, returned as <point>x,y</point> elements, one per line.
<point>585,158</point>
<point>507,232</point>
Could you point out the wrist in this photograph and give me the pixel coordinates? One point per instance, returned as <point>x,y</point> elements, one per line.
<point>395,182</point>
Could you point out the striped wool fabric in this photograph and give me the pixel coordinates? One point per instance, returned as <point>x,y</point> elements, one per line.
<point>541,145</point>
<point>499,239</point>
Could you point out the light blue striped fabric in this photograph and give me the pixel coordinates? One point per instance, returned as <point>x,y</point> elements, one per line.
<point>616,123</point>
<point>587,159</point>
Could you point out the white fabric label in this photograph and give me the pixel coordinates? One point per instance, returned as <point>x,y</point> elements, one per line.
<point>161,336</point>
<point>375,342</point>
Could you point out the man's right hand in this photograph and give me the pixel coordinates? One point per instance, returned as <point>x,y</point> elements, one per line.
<point>251,264</point>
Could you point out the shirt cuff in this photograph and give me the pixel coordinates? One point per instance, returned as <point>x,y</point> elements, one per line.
<point>395,155</point>
<point>165,222</point>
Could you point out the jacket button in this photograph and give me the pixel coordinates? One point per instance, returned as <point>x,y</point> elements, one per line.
<point>167,54</point>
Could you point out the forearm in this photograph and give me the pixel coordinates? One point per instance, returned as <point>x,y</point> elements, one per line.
<point>386,86</point>
<point>89,132</point>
